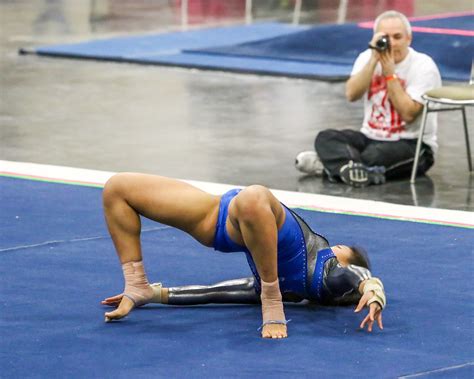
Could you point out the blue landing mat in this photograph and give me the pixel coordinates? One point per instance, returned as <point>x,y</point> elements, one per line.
<point>57,262</point>
<point>340,45</point>
<point>323,52</point>
<point>169,50</point>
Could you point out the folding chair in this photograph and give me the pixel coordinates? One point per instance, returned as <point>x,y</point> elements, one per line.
<point>451,98</point>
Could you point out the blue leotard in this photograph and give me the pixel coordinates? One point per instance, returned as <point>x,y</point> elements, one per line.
<point>293,273</point>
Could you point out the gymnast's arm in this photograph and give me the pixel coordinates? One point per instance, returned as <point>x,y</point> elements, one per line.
<point>349,284</point>
<point>236,291</point>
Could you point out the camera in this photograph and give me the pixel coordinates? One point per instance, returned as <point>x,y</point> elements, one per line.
<point>382,44</point>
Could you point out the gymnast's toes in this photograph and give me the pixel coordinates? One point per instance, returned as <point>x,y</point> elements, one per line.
<point>276,331</point>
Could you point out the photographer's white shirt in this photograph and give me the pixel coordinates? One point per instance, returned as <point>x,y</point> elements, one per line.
<point>417,74</point>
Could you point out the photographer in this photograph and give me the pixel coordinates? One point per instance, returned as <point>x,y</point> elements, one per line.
<point>391,77</point>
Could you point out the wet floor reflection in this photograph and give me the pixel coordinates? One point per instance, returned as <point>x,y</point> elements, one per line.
<point>399,191</point>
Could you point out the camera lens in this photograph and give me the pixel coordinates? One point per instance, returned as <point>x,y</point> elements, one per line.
<point>383,43</point>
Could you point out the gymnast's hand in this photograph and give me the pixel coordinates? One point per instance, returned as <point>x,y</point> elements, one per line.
<point>124,306</point>
<point>112,301</point>
<point>375,312</point>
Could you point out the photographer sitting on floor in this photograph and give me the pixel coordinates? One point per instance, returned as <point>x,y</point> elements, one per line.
<point>391,77</point>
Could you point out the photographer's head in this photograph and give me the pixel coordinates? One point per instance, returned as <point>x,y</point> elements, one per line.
<point>398,29</point>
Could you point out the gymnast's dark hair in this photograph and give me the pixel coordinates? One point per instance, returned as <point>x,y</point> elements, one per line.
<point>359,257</point>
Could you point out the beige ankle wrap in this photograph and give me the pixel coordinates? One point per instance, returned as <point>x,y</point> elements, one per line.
<point>272,306</point>
<point>137,287</point>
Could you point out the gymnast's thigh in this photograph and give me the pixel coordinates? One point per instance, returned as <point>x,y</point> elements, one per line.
<point>168,201</point>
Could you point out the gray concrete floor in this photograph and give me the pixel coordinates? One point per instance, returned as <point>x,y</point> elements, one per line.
<point>201,125</point>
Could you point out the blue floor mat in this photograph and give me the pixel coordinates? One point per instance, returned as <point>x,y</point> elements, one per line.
<point>341,44</point>
<point>168,44</point>
<point>57,262</point>
<point>457,22</point>
<point>322,52</point>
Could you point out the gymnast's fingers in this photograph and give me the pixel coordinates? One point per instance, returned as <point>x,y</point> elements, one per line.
<point>362,302</point>
<point>110,303</point>
<point>112,299</point>
<point>366,321</point>
<point>374,309</point>
<point>379,320</point>
<point>124,308</point>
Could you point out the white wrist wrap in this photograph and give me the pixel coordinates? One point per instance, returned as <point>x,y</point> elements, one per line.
<point>375,285</point>
<point>137,287</point>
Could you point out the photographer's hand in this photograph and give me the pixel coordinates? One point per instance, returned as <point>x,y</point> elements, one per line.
<point>375,38</point>
<point>387,62</point>
<point>405,106</point>
<point>359,83</point>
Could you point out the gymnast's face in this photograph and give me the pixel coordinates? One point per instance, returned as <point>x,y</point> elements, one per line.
<point>342,253</point>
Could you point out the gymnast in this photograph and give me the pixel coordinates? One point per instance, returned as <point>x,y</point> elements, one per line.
<point>288,260</point>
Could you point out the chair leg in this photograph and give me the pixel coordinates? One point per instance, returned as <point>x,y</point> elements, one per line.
<point>418,144</point>
<point>466,134</point>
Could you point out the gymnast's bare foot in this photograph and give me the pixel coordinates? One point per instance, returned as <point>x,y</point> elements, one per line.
<point>274,331</point>
<point>273,316</point>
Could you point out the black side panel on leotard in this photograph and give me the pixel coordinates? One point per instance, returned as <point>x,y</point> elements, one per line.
<point>314,243</point>
<point>341,284</point>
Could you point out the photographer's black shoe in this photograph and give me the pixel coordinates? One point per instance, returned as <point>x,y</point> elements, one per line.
<point>359,175</point>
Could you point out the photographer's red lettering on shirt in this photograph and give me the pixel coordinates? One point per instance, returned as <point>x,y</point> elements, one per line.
<point>382,108</point>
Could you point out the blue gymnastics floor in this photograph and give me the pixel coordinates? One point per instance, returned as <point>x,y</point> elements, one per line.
<point>340,45</point>
<point>57,262</point>
<point>321,52</point>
